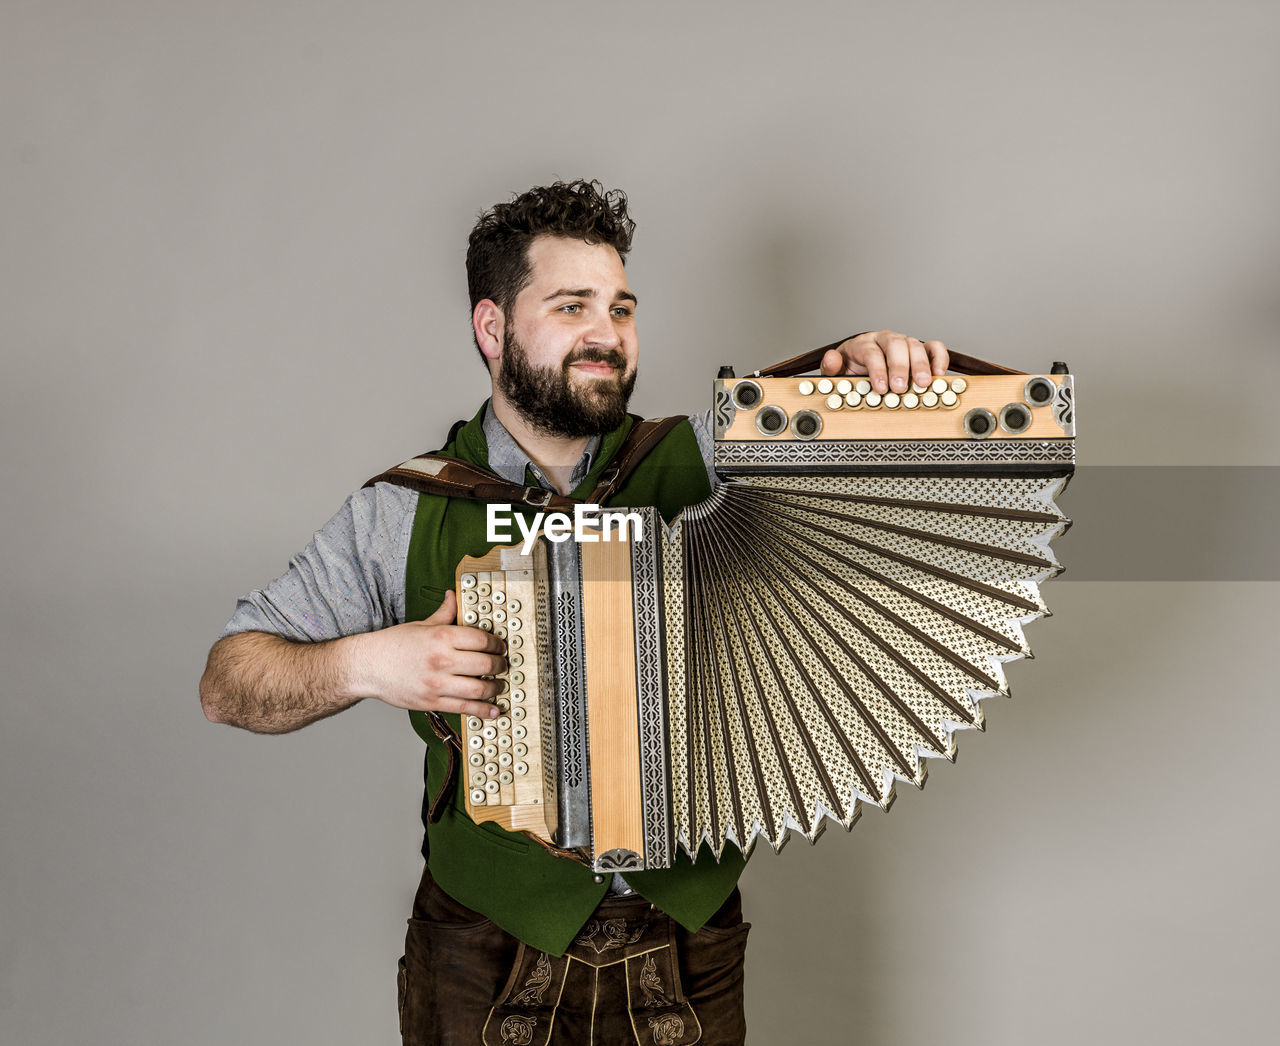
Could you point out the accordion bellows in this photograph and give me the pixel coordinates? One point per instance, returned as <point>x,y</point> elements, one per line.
<point>815,631</point>
<point>853,624</point>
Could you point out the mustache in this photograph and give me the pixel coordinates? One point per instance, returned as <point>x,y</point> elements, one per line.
<point>612,357</point>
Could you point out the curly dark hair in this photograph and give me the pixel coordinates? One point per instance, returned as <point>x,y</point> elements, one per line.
<point>498,247</point>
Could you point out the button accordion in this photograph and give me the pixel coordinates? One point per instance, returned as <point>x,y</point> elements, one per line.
<point>788,649</point>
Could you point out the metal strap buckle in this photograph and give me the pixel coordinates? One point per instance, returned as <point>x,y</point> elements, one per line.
<point>537,497</point>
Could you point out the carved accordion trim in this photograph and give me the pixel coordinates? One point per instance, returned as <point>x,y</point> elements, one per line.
<point>912,453</point>
<point>651,695</point>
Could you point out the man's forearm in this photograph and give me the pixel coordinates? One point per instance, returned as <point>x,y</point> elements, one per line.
<point>271,685</point>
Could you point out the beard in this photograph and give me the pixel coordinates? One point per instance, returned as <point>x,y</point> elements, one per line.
<point>555,401</point>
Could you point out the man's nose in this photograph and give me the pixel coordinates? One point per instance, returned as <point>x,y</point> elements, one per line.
<point>603,332</point>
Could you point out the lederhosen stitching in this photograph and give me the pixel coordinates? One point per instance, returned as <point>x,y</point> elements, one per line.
<point>526,1020</point>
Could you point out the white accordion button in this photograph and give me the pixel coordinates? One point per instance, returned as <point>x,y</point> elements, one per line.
<point>929,399</point>
<point>949,398</point>
<point>863,387</point>
<point>806,388</point>
<point>939,385</point>
<point>891,400</point>
<point>468,581</point>
<point>835,402</point>
<point>521,769</point>
<point>853,399</point>
<point>844,386</point>
<point>872,399</point>
<point>911,401</point>
<point>958,385</point>
<point>825,386</point>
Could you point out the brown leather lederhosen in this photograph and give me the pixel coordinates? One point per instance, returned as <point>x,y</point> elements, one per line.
<point>631,976</point>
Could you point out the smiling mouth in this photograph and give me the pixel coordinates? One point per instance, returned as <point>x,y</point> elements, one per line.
<point>594,367</point>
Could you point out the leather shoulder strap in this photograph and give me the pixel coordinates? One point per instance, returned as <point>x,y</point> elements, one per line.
<point>643,437</point>
<point>451,478</point>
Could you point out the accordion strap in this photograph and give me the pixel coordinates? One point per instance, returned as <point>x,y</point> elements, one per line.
<point>806,361</point>
<point>451,478</point>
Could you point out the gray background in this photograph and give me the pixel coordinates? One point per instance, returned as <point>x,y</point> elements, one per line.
<point>232,289</point>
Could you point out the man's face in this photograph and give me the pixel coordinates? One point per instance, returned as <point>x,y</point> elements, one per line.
<point>569,345</point>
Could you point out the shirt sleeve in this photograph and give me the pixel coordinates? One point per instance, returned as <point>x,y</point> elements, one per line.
<point>349,579</point>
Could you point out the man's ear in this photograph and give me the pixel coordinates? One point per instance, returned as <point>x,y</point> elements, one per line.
<point>488,323</point>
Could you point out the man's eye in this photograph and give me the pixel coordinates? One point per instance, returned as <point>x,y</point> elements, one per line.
<point>572,308</point>
<point>622,311</point>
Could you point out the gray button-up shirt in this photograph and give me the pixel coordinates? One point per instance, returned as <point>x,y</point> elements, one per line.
<point>508,459</point>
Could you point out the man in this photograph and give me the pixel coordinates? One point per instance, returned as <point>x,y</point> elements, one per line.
<point>509,943</point>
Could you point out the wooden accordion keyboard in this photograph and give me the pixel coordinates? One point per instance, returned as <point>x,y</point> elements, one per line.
<point>787,649</point>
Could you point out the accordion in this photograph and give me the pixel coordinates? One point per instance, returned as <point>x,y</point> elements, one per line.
<point>791,647</point>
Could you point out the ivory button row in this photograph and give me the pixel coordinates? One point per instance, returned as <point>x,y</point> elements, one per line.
<point>844,386</point>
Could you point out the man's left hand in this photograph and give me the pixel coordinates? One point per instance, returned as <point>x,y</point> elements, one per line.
<point>891,361</point>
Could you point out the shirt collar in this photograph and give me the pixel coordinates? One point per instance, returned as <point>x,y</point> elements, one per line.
<point>509,461</point>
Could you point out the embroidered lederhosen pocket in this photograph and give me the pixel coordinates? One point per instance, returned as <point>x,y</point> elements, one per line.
<point>659,1013</point>
<point>526,1011</point>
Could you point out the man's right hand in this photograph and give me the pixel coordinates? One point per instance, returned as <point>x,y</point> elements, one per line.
<point>272,685</point>
<point>431,665</point>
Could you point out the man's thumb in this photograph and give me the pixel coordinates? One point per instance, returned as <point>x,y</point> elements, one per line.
<point>446,612</point>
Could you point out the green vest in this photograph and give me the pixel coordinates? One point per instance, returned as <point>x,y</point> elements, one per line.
<point>541,899</point>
